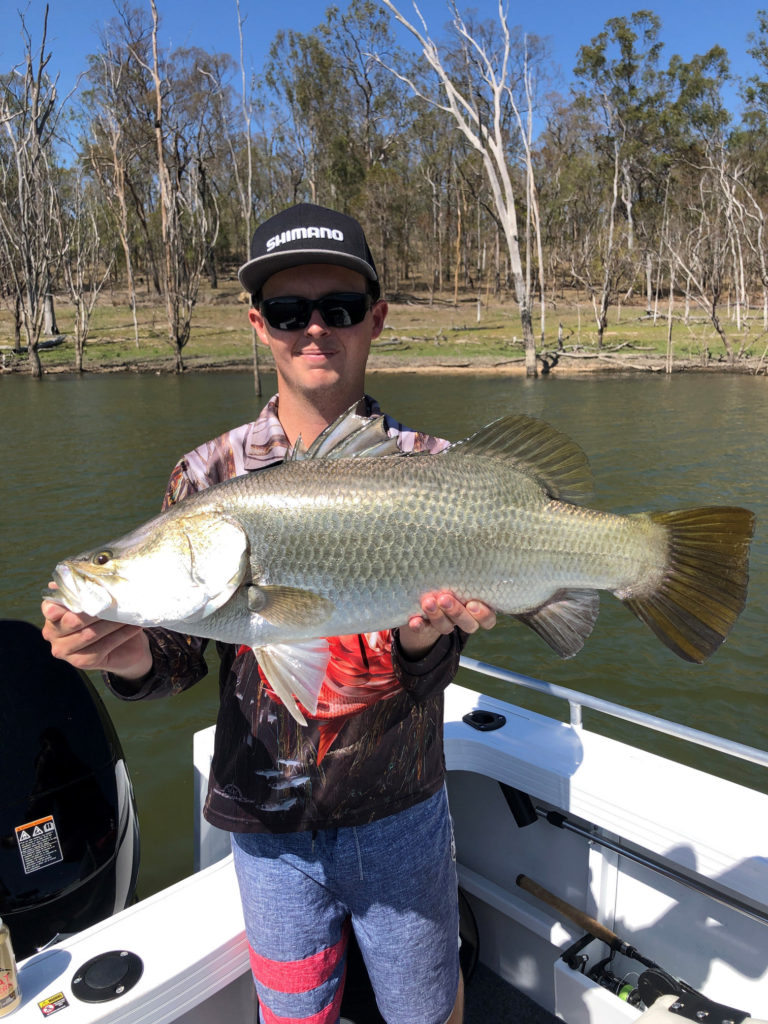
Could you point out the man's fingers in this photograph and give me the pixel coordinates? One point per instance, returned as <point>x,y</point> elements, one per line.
<point>443,612</point>
<point>482,614</point>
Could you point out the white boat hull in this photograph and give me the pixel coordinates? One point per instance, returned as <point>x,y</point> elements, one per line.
<point>191,942</point>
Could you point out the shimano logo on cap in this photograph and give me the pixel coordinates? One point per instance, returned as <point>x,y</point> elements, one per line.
<point>296,233</point>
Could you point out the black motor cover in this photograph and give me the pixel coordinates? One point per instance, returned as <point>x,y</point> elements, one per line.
<point>69,843</point>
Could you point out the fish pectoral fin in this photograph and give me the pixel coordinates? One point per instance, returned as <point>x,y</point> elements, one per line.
<point>295,671</point>
<point>566,621</point>
<point>289,606</point>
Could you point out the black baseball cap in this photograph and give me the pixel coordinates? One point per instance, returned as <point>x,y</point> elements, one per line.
<point>307,234</point>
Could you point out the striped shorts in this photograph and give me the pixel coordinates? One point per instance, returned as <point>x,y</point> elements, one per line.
<point>393,881</point>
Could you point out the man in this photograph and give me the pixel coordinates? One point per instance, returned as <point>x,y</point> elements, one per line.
<point>344,820</point>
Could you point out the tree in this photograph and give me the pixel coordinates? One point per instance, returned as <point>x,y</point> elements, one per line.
<point>479,97</point>
<point>624,91</point>
<point>109,144</point>
<point>708,250</point>
<point>29,114</point>
<point>85,265</point>
<point>188,214</point>
<point>118,142</point>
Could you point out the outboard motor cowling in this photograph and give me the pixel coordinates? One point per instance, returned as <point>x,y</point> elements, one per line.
<point>69,839</point>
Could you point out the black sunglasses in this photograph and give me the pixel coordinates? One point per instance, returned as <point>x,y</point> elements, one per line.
<point>293,313</point>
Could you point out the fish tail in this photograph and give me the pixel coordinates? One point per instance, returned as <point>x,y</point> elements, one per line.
<point>704,587</point>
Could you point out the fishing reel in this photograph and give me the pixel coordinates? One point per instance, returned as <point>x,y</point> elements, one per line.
<point>601,972</point>
<point>651,984</point>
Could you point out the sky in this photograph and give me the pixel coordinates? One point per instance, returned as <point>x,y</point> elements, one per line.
<point>688,27</point>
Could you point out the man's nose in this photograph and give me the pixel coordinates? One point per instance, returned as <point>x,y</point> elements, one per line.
<point>316,326</point>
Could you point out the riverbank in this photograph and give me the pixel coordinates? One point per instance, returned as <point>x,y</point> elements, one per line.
<point>568,365</point>
<point>420,336</point>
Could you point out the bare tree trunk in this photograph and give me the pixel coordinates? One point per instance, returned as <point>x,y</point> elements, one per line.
<point>457,262</point>
<point>670,307</point>
<point>167,212</point>
<point>487,139</point>
<point>29,113</point>
<point>50,327</point>
<point>246,202</point>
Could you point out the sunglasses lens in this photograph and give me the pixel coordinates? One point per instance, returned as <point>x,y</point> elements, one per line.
<point>343,310</point>
<point>293,313</point>
<point>287,314</point>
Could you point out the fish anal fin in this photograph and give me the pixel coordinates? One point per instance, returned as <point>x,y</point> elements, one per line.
<point>532,446</point>
<point>289,606</point>
<point>704,587</point>
<point>295,672</point>
<point>566,621</point>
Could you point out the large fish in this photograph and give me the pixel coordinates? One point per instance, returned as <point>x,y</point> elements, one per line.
<point>347,536</point>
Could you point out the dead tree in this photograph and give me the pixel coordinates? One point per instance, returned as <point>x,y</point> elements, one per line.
<point>486,134</point>
<point>29,111</point>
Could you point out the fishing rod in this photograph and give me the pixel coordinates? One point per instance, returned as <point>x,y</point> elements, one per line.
<point>729,900</point>
<point>654,980</point>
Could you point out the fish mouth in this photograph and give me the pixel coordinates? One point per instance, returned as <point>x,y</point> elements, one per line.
<point>79,592</point>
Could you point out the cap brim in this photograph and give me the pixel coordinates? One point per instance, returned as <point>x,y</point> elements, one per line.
<point>254,273</point>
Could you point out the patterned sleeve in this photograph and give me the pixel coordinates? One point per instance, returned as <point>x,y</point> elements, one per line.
<point>429,675</point>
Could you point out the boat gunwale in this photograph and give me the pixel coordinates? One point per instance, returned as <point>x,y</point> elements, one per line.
<point>578,700</point>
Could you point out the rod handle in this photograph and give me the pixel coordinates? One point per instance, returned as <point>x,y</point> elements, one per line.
<point>584,921</point>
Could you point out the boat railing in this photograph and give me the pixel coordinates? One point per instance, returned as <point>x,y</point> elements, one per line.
<point>577,700</point>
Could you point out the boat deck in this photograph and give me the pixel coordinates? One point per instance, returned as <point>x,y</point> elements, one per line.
<point>490,1000</point>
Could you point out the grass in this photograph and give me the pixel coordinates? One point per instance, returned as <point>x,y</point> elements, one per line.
<point>415,331</point>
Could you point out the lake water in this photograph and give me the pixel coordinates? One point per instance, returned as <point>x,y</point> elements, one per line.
<point>85,459</point>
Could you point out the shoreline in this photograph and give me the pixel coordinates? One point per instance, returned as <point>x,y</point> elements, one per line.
<point>596,364</point>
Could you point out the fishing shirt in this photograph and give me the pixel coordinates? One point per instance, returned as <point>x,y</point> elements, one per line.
<point>373,747</point>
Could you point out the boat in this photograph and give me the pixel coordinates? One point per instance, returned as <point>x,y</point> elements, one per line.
<point>600,883</point>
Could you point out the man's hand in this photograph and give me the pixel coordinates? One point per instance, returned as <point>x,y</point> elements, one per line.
<point>93,644</point>
<point>442,612</point>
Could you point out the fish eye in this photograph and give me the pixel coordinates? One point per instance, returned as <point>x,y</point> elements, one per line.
<point>102,558</point>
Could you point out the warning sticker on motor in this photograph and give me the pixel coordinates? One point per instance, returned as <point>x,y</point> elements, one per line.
<point>52,1004</point>
<point>38,844</point>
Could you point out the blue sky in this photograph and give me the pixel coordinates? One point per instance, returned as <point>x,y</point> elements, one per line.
<point>688,26</point>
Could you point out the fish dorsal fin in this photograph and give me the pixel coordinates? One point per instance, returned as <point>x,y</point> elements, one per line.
<point>350,436</point>
<point>534,447</point>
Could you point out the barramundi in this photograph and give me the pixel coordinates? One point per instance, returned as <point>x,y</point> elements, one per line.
<point>346,536</point>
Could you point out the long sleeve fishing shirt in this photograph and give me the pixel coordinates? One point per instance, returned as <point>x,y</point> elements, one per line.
<point>374,746</point>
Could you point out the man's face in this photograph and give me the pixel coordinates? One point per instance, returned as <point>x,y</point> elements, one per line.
<point>318,358</point>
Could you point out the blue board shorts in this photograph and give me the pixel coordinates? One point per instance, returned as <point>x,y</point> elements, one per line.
<point>393,881</point>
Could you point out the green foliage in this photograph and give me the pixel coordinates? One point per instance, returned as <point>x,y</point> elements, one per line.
<point>638,170</point>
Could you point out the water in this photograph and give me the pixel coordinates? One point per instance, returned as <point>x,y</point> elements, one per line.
<point>85,459</point>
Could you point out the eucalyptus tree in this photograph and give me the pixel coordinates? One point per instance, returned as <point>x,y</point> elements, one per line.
<point>308,83</point>
<point>377,123</point>
<point>621,85</point>
<point>117,141</point>
<point>572,197</point>
<point>30,113</point>
<point>435,157</point>
<point>478,86</point>
<point>749,146</point>
<point>189,216</point>
<point>86,261</point>
<point>375,108</point>
<point>708,249</point>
